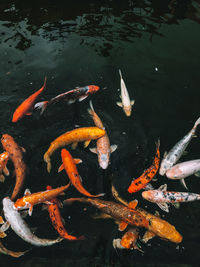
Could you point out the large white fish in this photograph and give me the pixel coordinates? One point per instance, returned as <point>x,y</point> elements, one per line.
<point>20,227</point>
<point>183,170</point>
<point>126,103</point>
<point>176,152</point>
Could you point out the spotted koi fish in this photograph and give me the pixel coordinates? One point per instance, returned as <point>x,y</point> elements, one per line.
<point>148,175</point>
<point>70,96</point>
<point>163,198</point>
<point>26,107</point>
<point>57,220</point>
<point>4,157</point>
<point>77,135</point>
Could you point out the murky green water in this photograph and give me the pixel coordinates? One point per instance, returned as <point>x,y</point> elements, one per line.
<point>85,42</point>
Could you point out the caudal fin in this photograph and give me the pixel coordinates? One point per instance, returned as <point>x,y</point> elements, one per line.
<point>41,105</point>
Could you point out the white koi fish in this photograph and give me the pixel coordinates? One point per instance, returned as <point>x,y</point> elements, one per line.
<point>20,227</point>
<point>183,170</point>
<point>103,149</point>
<point>176,152</point>
<point>126,103</point>
<point>163,198</point>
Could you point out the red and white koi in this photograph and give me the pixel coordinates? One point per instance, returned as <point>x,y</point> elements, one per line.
<point>103,149</point>
<point>163,198</point>
<point>176,152</point>
<point>20,227</point>
<point>70,97</point>
<point>126,103</point>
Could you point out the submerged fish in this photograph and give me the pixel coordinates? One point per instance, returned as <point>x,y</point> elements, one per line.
<point>176,152</point>
<point>70,96</point>
<point>126,103</point>
<point>20,227</point>
<point>74,136</point>
<point>27,105</point>
<point>103,149</point>
<point>14,254</point>
<point>163,198</point>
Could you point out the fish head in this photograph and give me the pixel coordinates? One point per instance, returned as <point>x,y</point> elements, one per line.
<point>164,166</point>
<point>148,195</point>
<point>93,88</point>
<point>103,161</point>
<point>7,202</point>
<point>129,239</point>
<point>127,110</point>
<point>175,173</point>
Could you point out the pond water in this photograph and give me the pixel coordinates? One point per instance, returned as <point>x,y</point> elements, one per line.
<point>157,48</point>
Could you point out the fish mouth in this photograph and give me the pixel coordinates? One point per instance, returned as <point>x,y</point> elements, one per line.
<point>104,165</point>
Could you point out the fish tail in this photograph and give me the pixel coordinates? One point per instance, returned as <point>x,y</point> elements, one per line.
<point>158,143</point>
<point>41,105</point>
<point>91,109</point>
<point>45,81</point>
<point>196,123</point>
<point>120,73</point>
<point>91,106</point>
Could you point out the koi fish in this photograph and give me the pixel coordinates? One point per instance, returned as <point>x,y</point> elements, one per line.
<point>103,149</point>
<point>25,108</point>
<point>147,175</point>
<point>15,154</point>
<point>176,152</point>
<point>77,135</point>
<point>156,225</point>
<point>126,103</point>
<point>14,254</point>
<point>69,165</point>
<point>29,200</point>
<point>4,157</point>
<point>57,220</point>
<point>163,198</point>
<point>128,240</point>
<point>183,170</point>
<point>20,227</point>
<point>70,96</point>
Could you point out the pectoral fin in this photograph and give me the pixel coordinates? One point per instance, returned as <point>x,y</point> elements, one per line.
<point>82,98</point>
<point>176,205</point>
<point>119,104</point>
<point>27,192</point>
<point>77,161</point>
<point>132,102</point>
<point>163,187</point>
<point>148,236</point>
<point>183,183</point>
<point>122,226</point>
<point>61,168</point>
<point>102,216</point>
<point>1,220</point>
<point>163,206</point>
<point>23,149</point>
<point>6,171</point>
<point>113,148</point>
<point>74,145</point>
<point>30,210</point>
<point>133,204</point>
<point>4,227</point>
<point>93,150</point>
<point>2,234</point>
<point>86,143</point>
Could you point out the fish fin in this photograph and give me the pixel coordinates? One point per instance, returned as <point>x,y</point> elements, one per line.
<point>4,227</point>
<point>71,101</point>
<point>86,143</point>
<point>6,171</point>
<point>102,216</point>
<point>23,149</point>
<point>163,187</point>
<point>91,106</point>
<point>117,243</point>
<point>157,214</point>
<point>82,98</point>
<point>197,174</point>
<point>1,220</point>
<point>61,168</point>
<point>155,179</point>
<point>122,226</point>
<point>30,210</point>
<point>163,206</point>
<point>176,205</point>
<point>119,104</point>
<point>24,213</point>
<point>3,234</point>
<point>138,247</point>
<point>27,192</point>
<point>41,105</point>
<point>132,102</point>
<point>77,161</point>
<point>62,194</point>
<point>93,150</point>
<point>2,178</point>
<point>148,236</point>
<point>148,187</point>
<point>133,204</point>
<point>28,114</point>
<point>113,148</point>
<point>74,145</point>
<point>197,122</point>
<point>183,183</point>
<point>165,154</point>
<point>120,73</point>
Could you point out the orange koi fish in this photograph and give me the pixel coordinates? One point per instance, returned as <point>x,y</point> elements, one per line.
<point>57,220</point>
<point>15,154</point>
<point>27,105</point>
<point>156,226</point>
<point>148,175</point>
<point>4,157</point>
<point>77,135</point>
<point>29,200</point>
<point>69,164</point>
<point>103,149</point>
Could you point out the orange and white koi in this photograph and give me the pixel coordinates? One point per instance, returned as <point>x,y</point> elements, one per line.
<point>77,135</point>
<point>147,175</point>
<point>4,157</point>
<point>126,103</point>
<point>70,96</point>
<point>177,151</point>
<point>103,149</point>
<point>163,198</point>
<point>25,108</point>
<point>69,165</point>
<point>29,200</point>
<point>15,154</point>
<point>19,226</point>
<point>57,220</point>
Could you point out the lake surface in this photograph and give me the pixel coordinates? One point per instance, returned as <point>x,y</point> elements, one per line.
<point>78,43</point>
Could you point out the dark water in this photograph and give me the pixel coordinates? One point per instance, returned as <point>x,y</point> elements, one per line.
<point>76,43</point>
